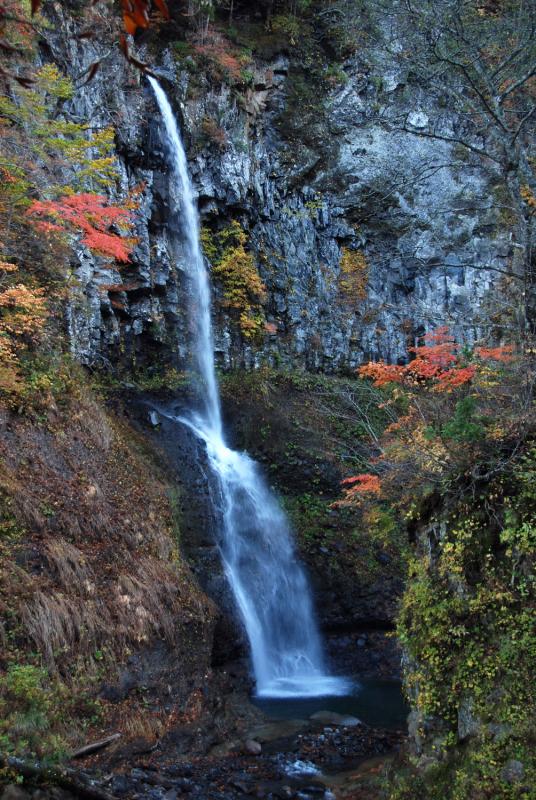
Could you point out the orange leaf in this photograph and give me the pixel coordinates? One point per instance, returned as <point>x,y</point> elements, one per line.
<point>130,25</point>
<point>135,14</point>
<point>162,7</point>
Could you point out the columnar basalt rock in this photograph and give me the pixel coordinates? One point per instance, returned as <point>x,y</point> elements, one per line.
<point>358,182</point>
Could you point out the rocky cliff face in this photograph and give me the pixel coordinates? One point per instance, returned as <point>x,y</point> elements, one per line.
<point>364,232</point>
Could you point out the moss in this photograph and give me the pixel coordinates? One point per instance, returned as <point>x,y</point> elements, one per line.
<point>357,539</point>
<point>37,709</point>
<point>354,272</point>
<point>156,377</point>
<point>467,623</point>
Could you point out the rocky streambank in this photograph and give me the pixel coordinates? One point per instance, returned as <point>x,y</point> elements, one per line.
<point>328,756</point>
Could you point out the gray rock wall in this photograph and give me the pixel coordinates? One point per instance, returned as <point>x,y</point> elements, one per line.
<point>421,213</point>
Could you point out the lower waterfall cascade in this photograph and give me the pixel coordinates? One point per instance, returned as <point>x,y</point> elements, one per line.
<point>268,583</point>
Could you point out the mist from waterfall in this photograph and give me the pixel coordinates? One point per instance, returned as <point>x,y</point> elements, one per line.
<point>268,583</point>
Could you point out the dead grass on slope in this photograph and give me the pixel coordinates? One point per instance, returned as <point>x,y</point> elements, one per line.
<point>89,566</point>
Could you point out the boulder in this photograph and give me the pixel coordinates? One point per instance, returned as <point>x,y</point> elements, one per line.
<point>513,771</point>
<point>333,718</point>
<point>253,747</point>
<point>13,792</point>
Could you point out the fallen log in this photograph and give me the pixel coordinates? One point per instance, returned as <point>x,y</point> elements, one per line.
<point>93,747</point>
<point>64,777</point>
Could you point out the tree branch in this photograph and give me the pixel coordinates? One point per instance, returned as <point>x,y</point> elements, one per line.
<point>527,116</point>
<point>453,140</point>
<point>517,84</point>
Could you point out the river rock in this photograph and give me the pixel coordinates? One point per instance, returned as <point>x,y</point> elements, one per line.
<point>253,747</point>
<point>513,771</point>
<point>333,718</point>
<point>120,785</point>
<point>277,729</point>
<point>13,792</point>
<point>154,418</point>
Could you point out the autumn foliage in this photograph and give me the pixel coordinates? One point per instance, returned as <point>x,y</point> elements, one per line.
<point>453,407</point>
<point>92,216</point>
<point>53,175</point>
<point>222,60</point>
<point>218,56</point>
<point>365,484</point>
<point>136,13</point>
<point>23,314</point>
<point>436,361</point>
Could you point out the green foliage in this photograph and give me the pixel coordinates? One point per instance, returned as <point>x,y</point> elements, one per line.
<point>336,75</point>
<point>157,380</point>
<point>467,623</point>
<point>45,379</point>
<point>32,115</point>
<point>32,707</point>
<point>10,528</point>
<point>235,269</point>
<point>289,25</point>
<point>309,514</point>
<point>24,683</point>
<point>182,50</point>
<point>463,427</point>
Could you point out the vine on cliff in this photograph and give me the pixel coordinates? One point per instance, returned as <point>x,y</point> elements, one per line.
<point>354,274</point>
<point>234,267</point>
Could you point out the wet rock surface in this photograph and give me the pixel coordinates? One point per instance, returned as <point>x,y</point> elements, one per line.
<point>196,507</point>
<point>368,653</point>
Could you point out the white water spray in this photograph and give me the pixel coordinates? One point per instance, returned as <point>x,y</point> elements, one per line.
<point>268,583</point>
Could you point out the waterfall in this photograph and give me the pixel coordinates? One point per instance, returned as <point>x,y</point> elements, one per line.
<point>268,583</point>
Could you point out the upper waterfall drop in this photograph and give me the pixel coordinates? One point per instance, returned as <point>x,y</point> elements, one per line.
<point>268,583</point>
<point>200,290</point>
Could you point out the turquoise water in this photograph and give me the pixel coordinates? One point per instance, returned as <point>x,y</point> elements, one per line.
<point>379,703</point>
